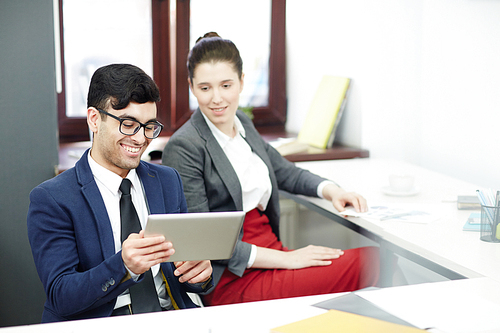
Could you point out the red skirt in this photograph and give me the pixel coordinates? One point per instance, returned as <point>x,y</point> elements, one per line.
<point>356,269</point>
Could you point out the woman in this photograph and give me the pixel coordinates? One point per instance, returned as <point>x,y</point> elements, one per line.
<point>225,165</point>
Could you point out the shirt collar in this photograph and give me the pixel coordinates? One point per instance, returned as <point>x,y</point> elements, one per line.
<point>110,179</point>
<point>222,138</point>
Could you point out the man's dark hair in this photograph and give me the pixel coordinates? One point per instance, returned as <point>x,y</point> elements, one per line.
<point>118,85</point>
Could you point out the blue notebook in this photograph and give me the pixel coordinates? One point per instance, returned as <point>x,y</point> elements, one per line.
<point>473,223</point>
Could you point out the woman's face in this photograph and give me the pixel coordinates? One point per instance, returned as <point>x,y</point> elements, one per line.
<point>217,88</point>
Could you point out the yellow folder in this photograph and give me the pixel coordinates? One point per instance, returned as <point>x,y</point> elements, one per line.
<point>339,321</point>
<point>325,112</point>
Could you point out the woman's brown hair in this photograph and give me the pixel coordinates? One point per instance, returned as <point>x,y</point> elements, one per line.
<point>212,48</point>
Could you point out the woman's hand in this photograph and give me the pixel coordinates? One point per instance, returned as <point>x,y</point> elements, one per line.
<point>312,256</point>
<point>340,198</point>
<point>305,257</point>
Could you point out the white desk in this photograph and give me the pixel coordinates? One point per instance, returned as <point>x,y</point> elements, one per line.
<point>246,317</point>
<point>440,245</point>
<point>468,305</point>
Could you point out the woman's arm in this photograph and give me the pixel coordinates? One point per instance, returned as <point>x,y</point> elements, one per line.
<point>305,257</point>
<point>340,198</point>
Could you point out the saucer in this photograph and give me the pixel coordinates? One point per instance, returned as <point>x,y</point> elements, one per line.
<point>388,191</point>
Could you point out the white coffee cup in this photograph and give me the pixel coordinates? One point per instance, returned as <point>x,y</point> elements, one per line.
<point>401,182</point>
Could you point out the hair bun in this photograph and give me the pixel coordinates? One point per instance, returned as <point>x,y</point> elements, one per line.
<point>208,35</point>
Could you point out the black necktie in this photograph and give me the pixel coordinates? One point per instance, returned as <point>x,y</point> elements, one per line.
<point>143,295</point>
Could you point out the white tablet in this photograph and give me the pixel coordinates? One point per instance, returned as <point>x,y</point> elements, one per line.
<point>198,236</point>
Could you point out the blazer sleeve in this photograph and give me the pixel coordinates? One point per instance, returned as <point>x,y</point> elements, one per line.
<point>72,286</point>
<point>288,177</point>
<point>291,178</point>
<point>188,158</point>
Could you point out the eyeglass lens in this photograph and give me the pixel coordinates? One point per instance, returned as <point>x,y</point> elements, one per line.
<point>130,127</point>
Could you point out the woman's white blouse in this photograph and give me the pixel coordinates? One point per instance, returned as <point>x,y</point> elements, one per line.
<point>252,172</point>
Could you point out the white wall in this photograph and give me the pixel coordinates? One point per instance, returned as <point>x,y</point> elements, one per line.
<point>426,78</point>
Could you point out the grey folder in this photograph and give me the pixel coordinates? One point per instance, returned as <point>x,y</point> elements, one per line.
<point>198,236</point>
<point>352,303</point>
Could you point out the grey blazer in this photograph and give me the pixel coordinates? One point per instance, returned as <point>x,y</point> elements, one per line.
<point>211,184</point>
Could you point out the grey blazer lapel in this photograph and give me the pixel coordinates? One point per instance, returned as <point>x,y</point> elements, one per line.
<point>219,159</point>
<point>253,139</point>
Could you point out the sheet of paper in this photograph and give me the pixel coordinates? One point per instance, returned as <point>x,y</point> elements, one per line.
<point>435,305</point>
<point>410,214</point>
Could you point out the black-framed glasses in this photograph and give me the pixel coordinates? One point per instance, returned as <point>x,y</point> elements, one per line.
<point>131,126</point>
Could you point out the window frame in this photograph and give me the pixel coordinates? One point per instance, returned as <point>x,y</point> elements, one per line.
<point>170,73</point>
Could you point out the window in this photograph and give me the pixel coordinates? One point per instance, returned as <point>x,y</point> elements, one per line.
<point>93,38</point>
<point>155,35</point>
<point>239,29</point>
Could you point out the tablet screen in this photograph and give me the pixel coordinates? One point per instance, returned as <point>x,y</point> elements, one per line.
<point>198,236</point>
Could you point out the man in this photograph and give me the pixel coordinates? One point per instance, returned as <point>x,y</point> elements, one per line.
<point>75,220</point>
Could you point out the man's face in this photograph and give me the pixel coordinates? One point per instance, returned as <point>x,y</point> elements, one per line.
<point>110,148</point>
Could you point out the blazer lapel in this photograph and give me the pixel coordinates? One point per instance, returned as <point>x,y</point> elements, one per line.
<point>154,198</point>
<point>219,159</point>
<point>93,196</point>
<point>253,138</point>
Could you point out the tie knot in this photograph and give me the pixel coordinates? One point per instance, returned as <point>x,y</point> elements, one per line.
<point>125,186</point>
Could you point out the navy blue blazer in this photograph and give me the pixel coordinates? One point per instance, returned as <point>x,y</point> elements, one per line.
<point>73,247</point>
